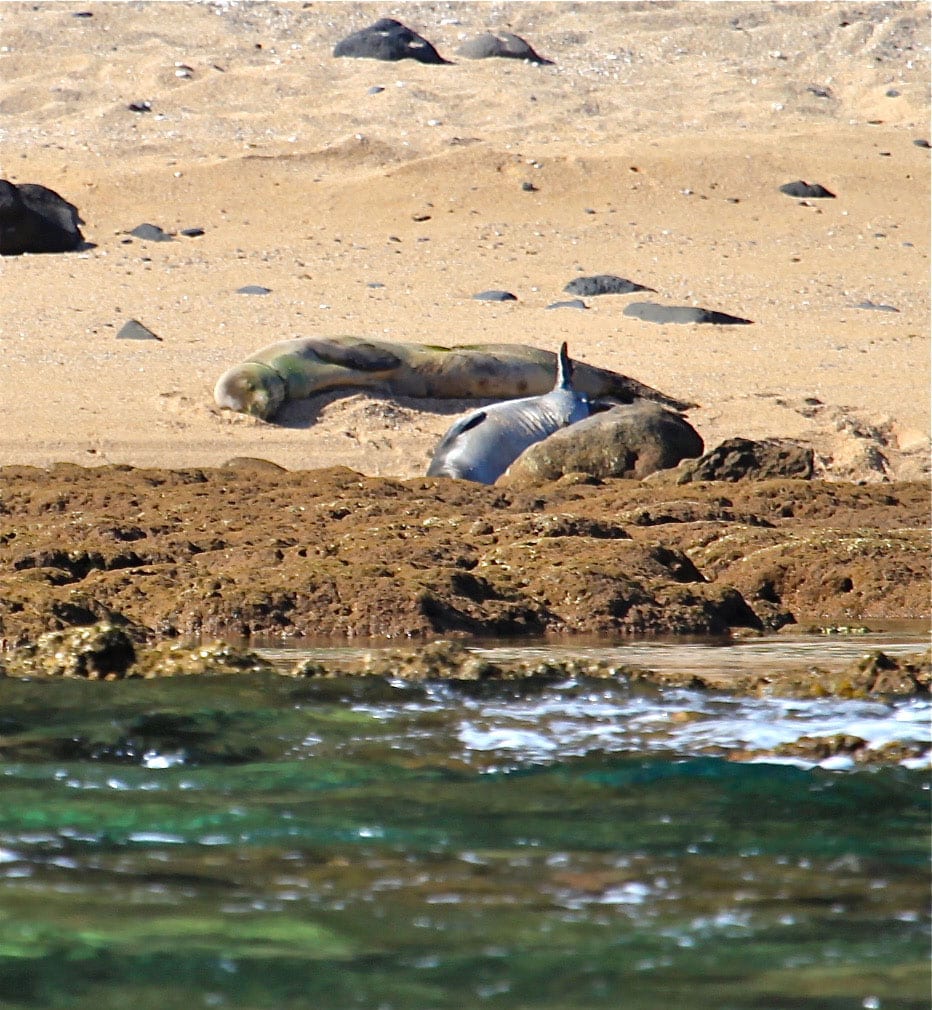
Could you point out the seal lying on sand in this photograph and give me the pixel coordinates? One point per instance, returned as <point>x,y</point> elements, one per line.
<point>483,444</point>
<point>296,369</point>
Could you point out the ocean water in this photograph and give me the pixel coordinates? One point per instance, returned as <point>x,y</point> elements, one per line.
<point>256,842</point>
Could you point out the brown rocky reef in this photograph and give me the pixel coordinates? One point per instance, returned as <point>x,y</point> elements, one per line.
<point>253,550</point>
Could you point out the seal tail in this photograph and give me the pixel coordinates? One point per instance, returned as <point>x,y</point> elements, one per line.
<point>564,369</point>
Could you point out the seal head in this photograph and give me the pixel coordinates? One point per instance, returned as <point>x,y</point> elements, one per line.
<point>251,388</point>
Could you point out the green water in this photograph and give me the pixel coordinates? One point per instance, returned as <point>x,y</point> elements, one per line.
<point>262,842</point>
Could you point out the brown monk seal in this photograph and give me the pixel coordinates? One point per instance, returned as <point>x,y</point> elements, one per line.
<point>296,369</point>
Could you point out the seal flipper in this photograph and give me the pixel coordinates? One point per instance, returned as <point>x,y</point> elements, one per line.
<point>564,369</point>
<point>362,356</point>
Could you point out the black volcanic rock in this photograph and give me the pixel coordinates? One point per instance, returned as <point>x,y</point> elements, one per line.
<point>603,284</point>
<point>652,312</point>
<point>503,44</point>
<point>151,233</point>
<point>388,40</point>
<point>35,219</point>
<point>807,190</point>
<point>746,459</point>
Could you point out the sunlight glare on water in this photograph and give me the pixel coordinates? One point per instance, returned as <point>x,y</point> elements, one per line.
<point>267,842</point>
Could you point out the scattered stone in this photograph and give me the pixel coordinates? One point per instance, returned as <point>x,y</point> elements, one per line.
<point>253,463</point>
<point>603,284</point>
<point>35,219</point>
<point>807,190</point>
<point>743,458</point>
<point>253,289</point>
<point>374,284</point>
<point>841,748</point>
<point>151,233</point>
<point>572,303</point>
<point>892,93</point>
<point>169,659</point>
<point>504,44</point>
<point>95,652</point>
<point>82,14</point>
<point>495,296</point>
<point>630,440</point>
<point>134,330</point>
<point>140,106</point>
<point>820,92</point>
<point>529,187</point>
<point>876,306</point>
<point>376,89</point>
<point>652,312</point>
<point>388,40</point>
<point>922,142</point>
<point>192,232</point>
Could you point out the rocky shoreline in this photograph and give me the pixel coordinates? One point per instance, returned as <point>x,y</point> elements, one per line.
<point>251,551</point>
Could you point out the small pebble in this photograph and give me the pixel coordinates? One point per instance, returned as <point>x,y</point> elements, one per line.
<point>495,296</point>
<point>603,284</point>
<point>140,106</point>
<point>253,289</point>
<point>876,306</point>
<point>134,330</point>
<point>573,303</point>
<point>652,312</point>
<point>922,142</point>
<point>192,232</point>
<point>151,233</point>
<point>807,190</point>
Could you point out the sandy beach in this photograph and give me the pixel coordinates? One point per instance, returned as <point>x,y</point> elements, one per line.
<point>653,148</point>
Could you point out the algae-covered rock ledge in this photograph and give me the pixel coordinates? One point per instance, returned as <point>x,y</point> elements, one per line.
<point>250,552</point>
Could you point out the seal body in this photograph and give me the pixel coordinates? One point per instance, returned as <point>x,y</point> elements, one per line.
<point>299,368</point>
<point>483,444</point>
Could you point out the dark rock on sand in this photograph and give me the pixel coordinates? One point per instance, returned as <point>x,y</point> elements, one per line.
<point>388,40</point>
<point>495,296</point>
<point>503,44</point>
<point>922,142</point>
<point>652,312</point>
<point>253,289</point>
<point>631,440</point>
<point>192,232</point>
<point>603,284</point>
<point>134,330</point>
<point>807,190</point>
<point>743,458</point>
<point>876,306</point>
<point>151,233</point>
<point>573,303</point>
<point>35,219</point>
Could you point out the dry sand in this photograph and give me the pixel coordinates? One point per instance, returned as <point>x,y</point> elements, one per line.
<point>656,145</point>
